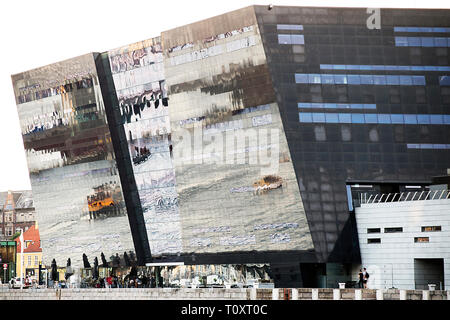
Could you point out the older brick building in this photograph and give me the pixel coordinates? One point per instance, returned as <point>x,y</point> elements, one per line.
<point>16,212</point>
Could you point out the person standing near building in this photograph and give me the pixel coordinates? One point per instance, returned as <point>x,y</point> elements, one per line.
<point>361,279</point>
<point>366,278</point>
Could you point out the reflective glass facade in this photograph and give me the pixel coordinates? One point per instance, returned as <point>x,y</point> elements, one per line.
<point>323,86</point>
<point>138,75</point>
<point>220,91</point>
<point>76,188</point>
<point>234,139</point>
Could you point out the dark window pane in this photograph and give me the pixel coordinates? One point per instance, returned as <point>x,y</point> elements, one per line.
<point>393,230</point>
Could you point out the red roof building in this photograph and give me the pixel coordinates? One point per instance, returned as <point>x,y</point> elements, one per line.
<point>31,239</point>
<point>32,253</point>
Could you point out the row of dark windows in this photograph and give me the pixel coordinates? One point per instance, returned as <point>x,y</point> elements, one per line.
<point>400,229</point>
<point>416,240</point>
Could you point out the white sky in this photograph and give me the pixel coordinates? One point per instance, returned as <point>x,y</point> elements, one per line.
<point>36,33</point>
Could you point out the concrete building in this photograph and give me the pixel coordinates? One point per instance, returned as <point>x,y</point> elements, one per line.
<point>405,241</point>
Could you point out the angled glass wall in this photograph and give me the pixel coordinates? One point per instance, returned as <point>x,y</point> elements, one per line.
<point>234,175</point>
<point>76,189</point>
<point>138,75</point>
<point>342,64</point>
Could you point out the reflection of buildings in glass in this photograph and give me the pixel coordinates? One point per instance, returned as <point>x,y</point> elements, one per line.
<point>237,74</point>
<point>230,93</point>
<point>70,156</point>
<point>16,212</point>
<point>143,106</point>
<point>105,201</point>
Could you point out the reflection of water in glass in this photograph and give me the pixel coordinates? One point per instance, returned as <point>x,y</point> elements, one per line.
<point>206,200</point>
<point>160,207</point>
<point>60,202</point>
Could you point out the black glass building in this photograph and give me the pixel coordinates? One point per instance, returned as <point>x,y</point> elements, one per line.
<point>241,139</point>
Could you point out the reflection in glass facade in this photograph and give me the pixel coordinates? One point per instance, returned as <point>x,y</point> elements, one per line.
<point>227,203</point>
<point>209,122</point>
<point>342,61</point>
<point>76,189</point>
<point>353,79</point>
<point>138,75</point>
<point>422,42</point>
<point>320,117</point>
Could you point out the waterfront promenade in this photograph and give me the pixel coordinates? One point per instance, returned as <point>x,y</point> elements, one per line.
<point>219,294</point>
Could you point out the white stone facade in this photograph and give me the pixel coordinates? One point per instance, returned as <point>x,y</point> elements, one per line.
<point>398,261</point>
